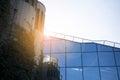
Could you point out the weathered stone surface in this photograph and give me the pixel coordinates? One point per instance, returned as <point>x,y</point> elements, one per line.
<point>16,48</point>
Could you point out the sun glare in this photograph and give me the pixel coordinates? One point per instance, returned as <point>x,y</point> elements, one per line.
<point>48,33</point>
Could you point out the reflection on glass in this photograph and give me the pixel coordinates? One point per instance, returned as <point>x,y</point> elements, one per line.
<point>71,58</point>
<point>117,49</point>
<point>46,48</point>
<point>74,59</point>
<point>46,54</point>
<point>108,73</point>
<point>61,59</point>
<point>91,73</point>
<point>58,46</point>
<point>88,47</point>
<point>90,59</point>
<point>119,72</point>
<point>106,59</point>
<point>50,59</point>
<point>72,46</point>
<point>74,73</point>
<point>62,72</point>
<point>117,57</point>
<point>104,48</point>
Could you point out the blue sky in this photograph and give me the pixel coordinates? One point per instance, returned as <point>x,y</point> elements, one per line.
<point>91,19</point>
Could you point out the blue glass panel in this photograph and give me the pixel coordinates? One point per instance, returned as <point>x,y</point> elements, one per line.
<point>58,46</point>
<point>106,59</point>
<point>46,48</point>
<point>61,59</point>
<point>91,73</point>
<point>88,47</point>
<point>90,59</point>
<point>74,59</point>
<point>72,47</point>
<point>62,73</point>
<point>74,74</point>
<point>108,73</point>
<point>117,57</point>
<point>104,48</point>
<point>119,72</point>
<point>116,49</point>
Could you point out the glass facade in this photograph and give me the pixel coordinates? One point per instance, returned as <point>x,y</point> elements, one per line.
<point>84,61</point>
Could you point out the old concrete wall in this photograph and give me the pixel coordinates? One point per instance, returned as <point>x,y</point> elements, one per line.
<point>19,39</point>
<point>25,15</point>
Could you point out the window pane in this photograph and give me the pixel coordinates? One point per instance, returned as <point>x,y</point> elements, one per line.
<point>119,72</point>
<point>74,59</point>
<point>91,73</point>
<point>62,73</point>
<point>117,57</point>
<point>106,59</point>
<point>58,46</point>
<point>108,73</point>
<point>90,59</point>
<point>74,74</point>
<point>116,49</point>
<point>88,47</point>
<point>73,47</point>
<point>104,48</point>
<point>61,59</point>
<point>46,48</point>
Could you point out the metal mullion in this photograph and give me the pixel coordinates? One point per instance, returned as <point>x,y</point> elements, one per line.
<point>116,64</point>
<point>82,61</point>
<point>98,61</point>
<point>65,61</point>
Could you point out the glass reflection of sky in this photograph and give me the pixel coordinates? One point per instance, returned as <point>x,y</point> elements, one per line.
<point>88,61</point>
<point>72,47</point>
<point>108,73</point>
<point>91,73</point>
<point>74,74</point>
<point>73,59</point>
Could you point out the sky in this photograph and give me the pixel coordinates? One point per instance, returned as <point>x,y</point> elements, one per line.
<point>90,19</point>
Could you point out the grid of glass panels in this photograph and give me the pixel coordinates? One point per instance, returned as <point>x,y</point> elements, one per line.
<point>84,61</point>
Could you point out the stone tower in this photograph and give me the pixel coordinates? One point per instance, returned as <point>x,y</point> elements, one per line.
<point>21,39</point>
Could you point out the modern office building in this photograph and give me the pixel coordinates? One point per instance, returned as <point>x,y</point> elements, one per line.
<point>83,59</point>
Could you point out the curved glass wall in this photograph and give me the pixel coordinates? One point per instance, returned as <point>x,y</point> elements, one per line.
<point>84,61</point>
